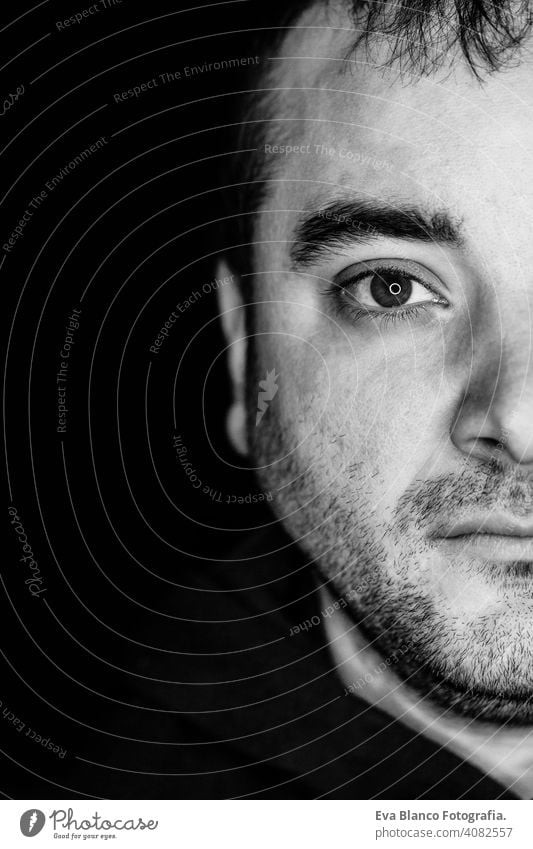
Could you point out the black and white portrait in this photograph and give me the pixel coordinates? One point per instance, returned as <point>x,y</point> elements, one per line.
<point>268,400</point>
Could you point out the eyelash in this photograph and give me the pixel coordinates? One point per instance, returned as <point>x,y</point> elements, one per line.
<point>343,309</point>
<point>355,314</point>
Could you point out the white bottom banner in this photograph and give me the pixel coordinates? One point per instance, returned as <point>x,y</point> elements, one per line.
<point>264,824</point>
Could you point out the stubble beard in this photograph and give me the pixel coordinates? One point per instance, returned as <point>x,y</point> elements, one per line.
<point>481,668</point>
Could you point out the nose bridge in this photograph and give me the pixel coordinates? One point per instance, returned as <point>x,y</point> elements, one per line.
<point>497,408</point>
<point>512,402</point>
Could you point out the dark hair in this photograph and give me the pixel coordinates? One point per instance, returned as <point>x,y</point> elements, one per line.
<point>421,36</point>
<point>422,33</point>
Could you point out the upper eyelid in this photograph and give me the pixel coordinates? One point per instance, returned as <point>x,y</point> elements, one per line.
<point>344,277</point>
<point>369,271</point>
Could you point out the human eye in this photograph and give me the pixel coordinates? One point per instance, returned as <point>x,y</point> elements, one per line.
<point>396,288</point>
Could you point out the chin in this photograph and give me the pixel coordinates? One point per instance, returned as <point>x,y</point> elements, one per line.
<point>480,667</point>
<point>487,690</point>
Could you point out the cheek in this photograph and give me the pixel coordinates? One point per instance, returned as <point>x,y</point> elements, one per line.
<point>339,385</point>
<point>393,423</point>
<point>359,407</point>
<point>287,339</point>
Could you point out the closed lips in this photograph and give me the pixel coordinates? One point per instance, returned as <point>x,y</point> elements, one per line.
<point>491,525</point>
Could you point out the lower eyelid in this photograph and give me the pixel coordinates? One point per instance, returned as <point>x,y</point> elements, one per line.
<point>356,314</point>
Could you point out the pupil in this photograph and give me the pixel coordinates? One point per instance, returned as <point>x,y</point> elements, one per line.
<point>381,285</point>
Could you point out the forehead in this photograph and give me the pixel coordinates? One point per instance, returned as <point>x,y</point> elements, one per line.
<point>442,140</point>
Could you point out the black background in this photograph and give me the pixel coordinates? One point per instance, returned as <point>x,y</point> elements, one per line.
<point>112,519</point>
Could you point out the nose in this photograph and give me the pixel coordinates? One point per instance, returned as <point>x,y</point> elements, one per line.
<point>495,417</point>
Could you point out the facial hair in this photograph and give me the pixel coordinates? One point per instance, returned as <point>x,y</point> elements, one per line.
<point>481,668</point>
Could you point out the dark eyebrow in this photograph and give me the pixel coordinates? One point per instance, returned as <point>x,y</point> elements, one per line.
<point>343,223</point>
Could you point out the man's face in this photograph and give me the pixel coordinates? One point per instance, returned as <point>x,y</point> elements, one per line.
<point>400,440</point>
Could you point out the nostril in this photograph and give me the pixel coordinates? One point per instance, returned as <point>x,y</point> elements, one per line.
<point>486,448</point>
<point>495,447</point>
<point>493,444</point>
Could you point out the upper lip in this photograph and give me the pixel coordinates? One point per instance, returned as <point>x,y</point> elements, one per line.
<point>497,525</point>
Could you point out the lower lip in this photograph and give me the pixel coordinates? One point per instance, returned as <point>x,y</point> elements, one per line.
<point>489,546</point>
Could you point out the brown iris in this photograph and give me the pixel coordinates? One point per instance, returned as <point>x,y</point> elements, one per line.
<point>389,288</point>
